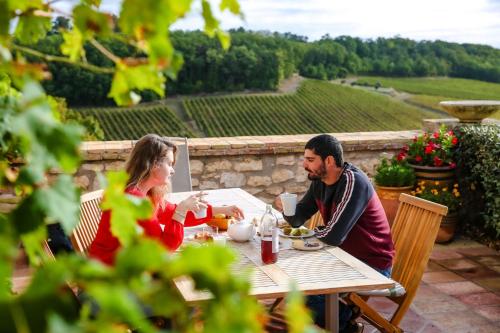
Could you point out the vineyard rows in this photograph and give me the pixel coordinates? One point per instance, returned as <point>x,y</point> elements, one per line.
<point>316,107</point>
<point>132,123</point>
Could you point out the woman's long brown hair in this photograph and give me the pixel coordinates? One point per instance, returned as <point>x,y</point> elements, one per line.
<point>148,151</point>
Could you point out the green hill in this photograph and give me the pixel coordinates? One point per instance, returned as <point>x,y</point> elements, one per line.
<point>133,123</point>
<point>429,92</point>
<point>317,107</point>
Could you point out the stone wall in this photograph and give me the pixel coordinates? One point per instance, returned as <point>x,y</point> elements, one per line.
<point>262,165</point>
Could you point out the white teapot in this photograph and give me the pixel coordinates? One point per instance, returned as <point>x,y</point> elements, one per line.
<point>241,231</point>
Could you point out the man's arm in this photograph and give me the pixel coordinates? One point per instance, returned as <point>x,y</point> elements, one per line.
<point>351,203</point>
<point>306,207</point>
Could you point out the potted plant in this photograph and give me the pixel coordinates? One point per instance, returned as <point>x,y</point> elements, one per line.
<point>442,194</point>
<point>431,156</point>
<point>392,178</point>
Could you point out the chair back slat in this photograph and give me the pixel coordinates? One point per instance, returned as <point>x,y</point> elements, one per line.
<point>315,221</point>
<point>90,216</point>
<point>414,232</point>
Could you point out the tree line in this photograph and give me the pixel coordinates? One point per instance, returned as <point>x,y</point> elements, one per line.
<point>259,60</point>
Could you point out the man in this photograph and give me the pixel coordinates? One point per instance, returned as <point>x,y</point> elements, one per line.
<point>353,216</point>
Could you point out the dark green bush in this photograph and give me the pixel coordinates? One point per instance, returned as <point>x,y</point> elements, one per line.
<point>478,170</point>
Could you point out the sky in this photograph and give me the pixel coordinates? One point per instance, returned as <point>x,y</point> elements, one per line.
<point>461,21</point>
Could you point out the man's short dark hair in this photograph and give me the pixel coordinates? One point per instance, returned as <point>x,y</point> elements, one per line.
<point>326,145</point>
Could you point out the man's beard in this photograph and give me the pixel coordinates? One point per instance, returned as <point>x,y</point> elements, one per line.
<point>318,175</point>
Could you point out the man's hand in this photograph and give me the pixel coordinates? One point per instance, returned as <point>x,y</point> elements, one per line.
<point>278,205</point>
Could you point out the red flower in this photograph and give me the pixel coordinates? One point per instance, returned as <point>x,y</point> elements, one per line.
<point>418,158</point>
<point>415,139</point>
<point>451,133</point>
<point>454,141</point>
<point>436,135</point>
<point>453,165</point>
<point>406,148</point>
<point>401,156</point>
<point>438,161</point>
<point>429,149</point>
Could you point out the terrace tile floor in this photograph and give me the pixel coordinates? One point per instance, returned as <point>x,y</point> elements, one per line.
<point>459,292</point>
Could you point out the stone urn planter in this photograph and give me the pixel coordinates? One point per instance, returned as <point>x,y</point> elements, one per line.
<point>430,174</point>
<point>389,197</point>
<point>447,227</point>
<point>472,111</point>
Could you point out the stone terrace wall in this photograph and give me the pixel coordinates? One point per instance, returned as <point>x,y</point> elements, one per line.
<point>262,165</point>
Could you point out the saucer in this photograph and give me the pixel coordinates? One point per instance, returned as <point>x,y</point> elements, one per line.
<point>299,244</point>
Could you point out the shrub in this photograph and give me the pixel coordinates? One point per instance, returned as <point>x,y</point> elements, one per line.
<point>394,173</point>
<point>478,172</point>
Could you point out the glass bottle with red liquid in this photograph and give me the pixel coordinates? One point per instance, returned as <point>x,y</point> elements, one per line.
<point>269,237</point>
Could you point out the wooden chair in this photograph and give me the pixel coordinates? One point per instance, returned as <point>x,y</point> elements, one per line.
<point>90,216</point>
<point>414,231</point>
<point>314,221</point>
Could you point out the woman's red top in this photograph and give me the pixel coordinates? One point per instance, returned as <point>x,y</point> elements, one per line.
<point>105,245</point>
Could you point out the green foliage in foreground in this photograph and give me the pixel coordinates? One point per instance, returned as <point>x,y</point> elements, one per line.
<point>38,155</point>
<point>133,123</point>
<point>479,178</point>
<point>448,87</point>
<point>316,107</point>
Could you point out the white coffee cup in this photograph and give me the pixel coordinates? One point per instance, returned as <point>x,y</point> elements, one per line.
<point>289,203</point>
<point>201,213</point>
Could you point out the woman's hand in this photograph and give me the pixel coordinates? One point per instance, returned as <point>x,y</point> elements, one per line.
<point>233,211</point>
<point>192,203</point>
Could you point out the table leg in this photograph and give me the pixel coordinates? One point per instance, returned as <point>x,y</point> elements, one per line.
<point>332,313</point>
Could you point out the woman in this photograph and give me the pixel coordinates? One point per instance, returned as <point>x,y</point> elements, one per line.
<point>150,168</point>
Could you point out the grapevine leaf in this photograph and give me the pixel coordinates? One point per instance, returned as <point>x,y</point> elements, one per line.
<point>138,77</point>
<point>91,22</point>
<point>211,23</point>
<point>232,5</point>
<point>125,209</point>
<point>31,28</point>
<point>73,44</point>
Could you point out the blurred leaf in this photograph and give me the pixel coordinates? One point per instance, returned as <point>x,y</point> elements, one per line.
<point>211,23</point>
<point>116,302</point>
<point>224,39</point>
<point>297,315</point>
<point>175,65</point>
<point>73,44</point>
<point>31,28</point>
<point>232,5</point>
<point>28,215</point>
<point>48,143</point>
<point>139,77</point>
<point>126,209</point>
<point>23,5</point>
<point>146,255</point>
<point>32,242</point>
<point>91,22</point>
<point>4,18</point>
<point>8,251</point>
<point>96,3</point>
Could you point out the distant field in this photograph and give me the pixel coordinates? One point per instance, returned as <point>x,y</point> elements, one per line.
<point>447,87</point>
<point>133,123</point>
<point>316,107</point>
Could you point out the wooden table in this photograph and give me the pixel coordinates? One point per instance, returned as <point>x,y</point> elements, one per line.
<point>327,271</point>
